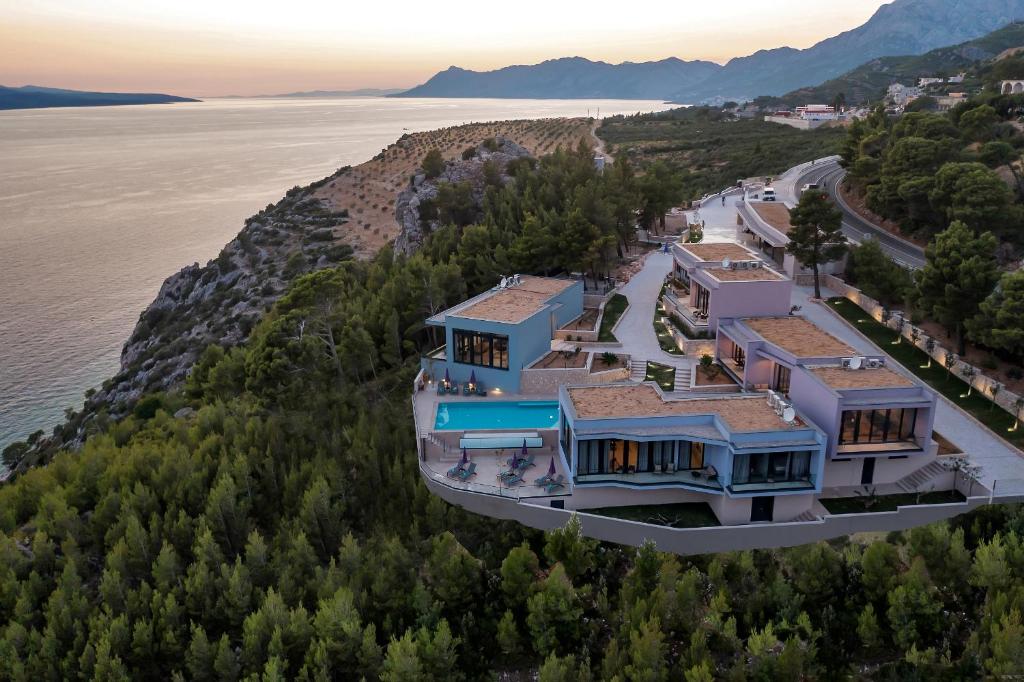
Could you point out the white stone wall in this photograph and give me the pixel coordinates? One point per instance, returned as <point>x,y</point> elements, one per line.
<point>981,383</point>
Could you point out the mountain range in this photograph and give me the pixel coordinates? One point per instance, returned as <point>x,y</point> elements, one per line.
<point>903,27</point>
<point>36,97</point>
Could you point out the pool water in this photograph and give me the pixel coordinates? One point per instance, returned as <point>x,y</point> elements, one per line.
<point>469,416</point>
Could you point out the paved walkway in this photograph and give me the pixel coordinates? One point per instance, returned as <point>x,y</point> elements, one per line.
<point>998,461</point>
<point>636,328</point>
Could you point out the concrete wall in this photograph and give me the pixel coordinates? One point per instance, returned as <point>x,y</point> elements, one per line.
<point>762,298</point>
<point>547,381</point>
<point>845,473</point>
<point>537,513</point>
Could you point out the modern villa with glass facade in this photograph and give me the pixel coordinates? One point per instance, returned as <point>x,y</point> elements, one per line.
<point>878,421</point>
<point>493,336</point>
<point>801,416</point>
<point>735,452</point>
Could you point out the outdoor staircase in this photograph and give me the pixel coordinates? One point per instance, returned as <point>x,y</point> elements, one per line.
<point>913,482</point>
<point>808,515</point>
<point>684,372</point>
<point>683,379</point>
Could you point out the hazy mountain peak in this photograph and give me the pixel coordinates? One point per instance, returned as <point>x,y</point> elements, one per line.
<point>903,27</point>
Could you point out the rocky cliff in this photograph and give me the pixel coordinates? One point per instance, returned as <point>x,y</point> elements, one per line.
<point>221,301</point>
<point>415,206</point>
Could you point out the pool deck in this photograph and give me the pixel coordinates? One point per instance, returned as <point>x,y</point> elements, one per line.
<point>440,449</point>
<point>425,403</point>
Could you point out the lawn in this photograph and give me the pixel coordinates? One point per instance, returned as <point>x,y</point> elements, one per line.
<point>683,515</point>
<point>663,374</point>
<point>888,503</point>
<point>613,310</point>
<point>666,340</point>
<point>936,376</point>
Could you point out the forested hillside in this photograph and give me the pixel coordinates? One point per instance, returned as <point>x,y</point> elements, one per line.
<point>267,522</point>
<point>709,149</point>
<point>926,170</point>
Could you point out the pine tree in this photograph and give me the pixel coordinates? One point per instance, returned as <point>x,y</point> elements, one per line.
<point>816,237</point>
<point>959,273</point>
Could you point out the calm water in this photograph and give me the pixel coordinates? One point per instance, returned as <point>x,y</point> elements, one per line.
<point>467,416</point>
<point>98,206</point>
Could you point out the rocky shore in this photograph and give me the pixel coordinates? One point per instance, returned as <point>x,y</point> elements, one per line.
<point>307,230</point>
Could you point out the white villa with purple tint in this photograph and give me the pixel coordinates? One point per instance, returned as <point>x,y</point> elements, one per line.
<point>794,417</point>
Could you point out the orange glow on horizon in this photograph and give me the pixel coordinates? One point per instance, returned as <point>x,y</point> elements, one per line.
<point>226,47</point>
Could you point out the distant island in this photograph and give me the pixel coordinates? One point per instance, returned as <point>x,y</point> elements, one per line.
<point>36,97</point>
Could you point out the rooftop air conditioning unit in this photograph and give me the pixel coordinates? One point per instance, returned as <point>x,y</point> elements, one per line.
<point>875,363</point>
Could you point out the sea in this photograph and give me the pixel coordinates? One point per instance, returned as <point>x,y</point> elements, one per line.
<point>99,205</point>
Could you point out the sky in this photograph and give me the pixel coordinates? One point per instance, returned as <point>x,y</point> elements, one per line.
<point>206,48</point>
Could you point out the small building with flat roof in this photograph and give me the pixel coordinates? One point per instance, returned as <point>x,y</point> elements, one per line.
<point>764,226</point>
<point>493,336</point>
<point>712,281</point>
<point>737,453</point>
<point>869,411</point>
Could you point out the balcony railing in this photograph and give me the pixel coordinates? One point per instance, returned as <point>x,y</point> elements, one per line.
<point>690,478</point>
<point>772,486</point>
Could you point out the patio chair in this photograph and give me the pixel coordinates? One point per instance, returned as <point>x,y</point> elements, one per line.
<point>555,483</point>
<point>467,472</point>
<point>480,391</point>
<point>515,479</point>
<point>454,471</point>
<point>525,463</point>
<point>441,390</point>
<point>454,388</point>
<point>466,390</point>
<point>543,480</point>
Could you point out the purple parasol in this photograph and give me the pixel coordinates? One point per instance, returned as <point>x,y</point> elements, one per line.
<point>447,379</point>
<point>472,377</point>
<point>551,468</point>
<point>465,458</point>
<point>524,447</point>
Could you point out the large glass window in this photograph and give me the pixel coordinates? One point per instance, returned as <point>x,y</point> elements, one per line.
<point>771,467</point>
<point>481,349</point>
<point>703,299</point>
<point>780,378</point>
<point>618,456</point>
<point>878,426</point>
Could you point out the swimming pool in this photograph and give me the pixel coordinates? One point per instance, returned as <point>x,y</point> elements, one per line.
<point>469,416</point>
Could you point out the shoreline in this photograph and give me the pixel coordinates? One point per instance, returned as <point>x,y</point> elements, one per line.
<point>388,174</point>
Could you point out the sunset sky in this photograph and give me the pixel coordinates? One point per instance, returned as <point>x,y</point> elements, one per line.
<point>219,47</point>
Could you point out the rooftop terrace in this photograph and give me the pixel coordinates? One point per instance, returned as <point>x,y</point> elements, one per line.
<point>798,336</point>
<point>716,253</point>
<point>773,213</point>
<point>882,377</point>
<point>748,413</point>
<point>747,275</point>
<point>517,303</point>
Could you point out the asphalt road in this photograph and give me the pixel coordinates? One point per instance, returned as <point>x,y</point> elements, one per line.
<point>827,174</point>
